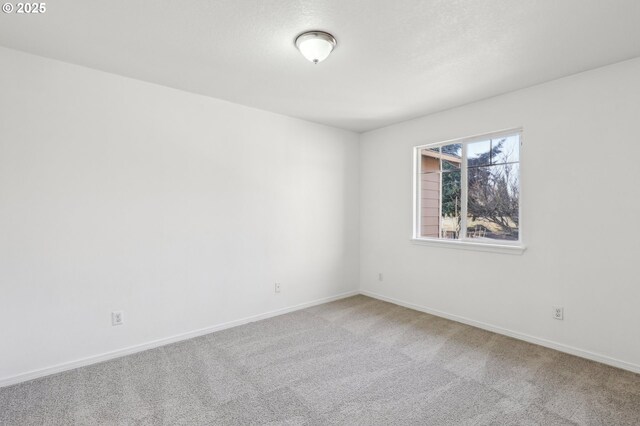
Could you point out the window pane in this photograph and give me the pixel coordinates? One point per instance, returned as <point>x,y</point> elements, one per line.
<point>505,150</point>
<point>452,151</point>
<point>430,192</point>
<point>479,153</point>
<point>493,201</point>
<point>440,191</point>
<point>451,205</point>
<point>451,157</point>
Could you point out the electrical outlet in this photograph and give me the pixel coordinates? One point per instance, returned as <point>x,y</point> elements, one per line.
<point>117,318</point>
<point>277,288</point>
<point>558,312</point>
<point>380,276</point>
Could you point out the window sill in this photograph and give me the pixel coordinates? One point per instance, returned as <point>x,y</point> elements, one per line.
<point>469,245</point>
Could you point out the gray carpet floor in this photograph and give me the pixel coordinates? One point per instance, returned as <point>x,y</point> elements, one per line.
<point>356,361</point>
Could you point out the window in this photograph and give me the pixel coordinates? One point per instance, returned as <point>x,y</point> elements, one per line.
<point>468,190</point>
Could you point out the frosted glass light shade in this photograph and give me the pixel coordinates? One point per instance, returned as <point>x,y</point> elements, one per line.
<point>315,45</point>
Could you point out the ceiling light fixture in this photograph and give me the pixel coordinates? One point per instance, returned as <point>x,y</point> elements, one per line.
<point>315,45</point>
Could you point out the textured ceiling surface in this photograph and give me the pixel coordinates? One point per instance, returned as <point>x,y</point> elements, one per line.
<point>395,60</point>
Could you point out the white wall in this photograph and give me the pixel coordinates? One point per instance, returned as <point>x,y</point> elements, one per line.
<point>182,211</point>
<point>580,213</point>
<point>178,209</point>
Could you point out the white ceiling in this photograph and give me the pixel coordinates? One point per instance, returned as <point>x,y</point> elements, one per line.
<point>396,59</point>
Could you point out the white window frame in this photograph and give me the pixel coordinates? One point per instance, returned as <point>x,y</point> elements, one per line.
<point>510,247</point>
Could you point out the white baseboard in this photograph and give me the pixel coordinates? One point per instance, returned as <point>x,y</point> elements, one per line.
<point>34,374</point>
<point>515,334</point>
